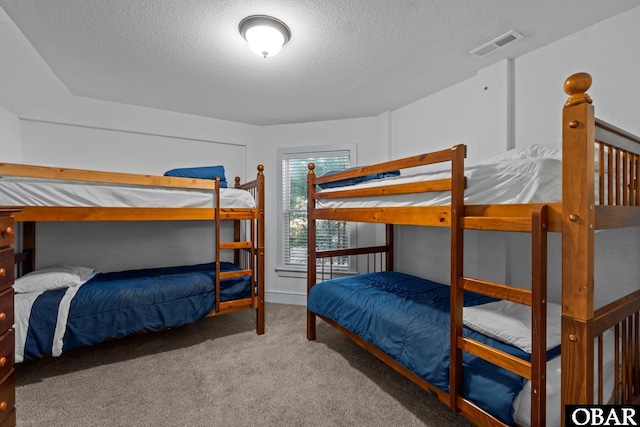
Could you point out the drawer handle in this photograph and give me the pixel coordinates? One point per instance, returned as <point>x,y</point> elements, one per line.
<point>3,272</point>
<point>3,405</point>
<point>3,362</point>
<point>7,231</point>
<point>3,317</point>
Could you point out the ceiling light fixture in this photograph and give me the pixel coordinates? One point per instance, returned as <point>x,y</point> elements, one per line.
<point>265,34</point>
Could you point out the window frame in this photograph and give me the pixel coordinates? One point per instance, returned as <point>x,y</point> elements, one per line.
<point>302,152</point>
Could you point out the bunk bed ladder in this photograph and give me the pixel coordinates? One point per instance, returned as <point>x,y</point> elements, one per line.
<point>536,224</point>
<point>249,250</point>
<point>237,246</point>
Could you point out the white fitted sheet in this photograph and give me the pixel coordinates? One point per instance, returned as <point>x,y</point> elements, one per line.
<point>21,191</point>
<point>534,180</point>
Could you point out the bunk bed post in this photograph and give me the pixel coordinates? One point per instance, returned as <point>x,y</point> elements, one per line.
<point>578,215</point>
<point>29,247</point>
<point>458,154</point>
<point>311,248</point>
<point>260,312</point>
<point>236,230</point>
<point>389,242</point>
<point>217,243</point>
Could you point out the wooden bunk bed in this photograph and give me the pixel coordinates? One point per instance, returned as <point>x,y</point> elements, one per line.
<point>182,199</point>
<point>577,214</point>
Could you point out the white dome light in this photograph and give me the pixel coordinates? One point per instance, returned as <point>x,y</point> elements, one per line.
<point>266,35</point>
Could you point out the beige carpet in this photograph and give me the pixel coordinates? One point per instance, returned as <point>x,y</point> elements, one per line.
<point>218,372</point>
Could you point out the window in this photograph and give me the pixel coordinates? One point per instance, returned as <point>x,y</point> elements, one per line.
<point>292,209</point>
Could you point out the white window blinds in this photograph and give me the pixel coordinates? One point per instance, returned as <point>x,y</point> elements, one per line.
<point>330,234</point>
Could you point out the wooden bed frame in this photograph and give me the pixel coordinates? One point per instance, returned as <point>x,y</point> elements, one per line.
<point>248,244</point>
<point>577,217</point>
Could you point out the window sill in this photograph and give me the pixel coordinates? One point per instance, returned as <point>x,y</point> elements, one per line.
<point>287,272</point>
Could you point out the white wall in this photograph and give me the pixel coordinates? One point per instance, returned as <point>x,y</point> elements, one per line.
<point>84,133</point>
<point>474,112</point>
<point>608,51</point>
<point>10,136</point>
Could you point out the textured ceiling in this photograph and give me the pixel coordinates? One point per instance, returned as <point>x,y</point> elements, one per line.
<point>345,59</point>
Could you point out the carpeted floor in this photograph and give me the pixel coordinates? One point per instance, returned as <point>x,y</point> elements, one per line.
<point>218,372</point>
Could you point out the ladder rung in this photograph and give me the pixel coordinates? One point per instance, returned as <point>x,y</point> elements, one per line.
<point>495,223</point>
<point>234,274</point>
<point>235,245</point>
<point>497,290</point>
<point>495,356</point>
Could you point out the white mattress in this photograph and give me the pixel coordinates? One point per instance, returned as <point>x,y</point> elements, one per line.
<point>522,404</point>
<point>511,181</point>
<point>20,191</point>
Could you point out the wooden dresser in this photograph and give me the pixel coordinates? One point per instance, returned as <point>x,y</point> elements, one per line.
<point>7,340</point>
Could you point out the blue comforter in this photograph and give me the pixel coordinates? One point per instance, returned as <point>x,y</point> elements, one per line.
<point>120,303</point>
<point>408,318</point>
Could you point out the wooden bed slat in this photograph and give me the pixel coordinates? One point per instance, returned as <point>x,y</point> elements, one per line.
<point>235,245</point>
<point>522,210</point>
<point>617,137</point>
<point>234,274</point>
<point>615,312</point>
<point>476,415</point>
<point>404,163</point>
<point>497,290</point>
<point>68,213</point>
<point>495,356</point>
<point>407,188</point>
<point>611,217</point>
<point>351,251</point>
<point>235,305</point>
<point>497,223</point>
<point>428,215</point>
<point>47,172</point>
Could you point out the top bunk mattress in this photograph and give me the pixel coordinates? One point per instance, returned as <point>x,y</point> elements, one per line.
<point>529,180</point>
<point>21,191</point>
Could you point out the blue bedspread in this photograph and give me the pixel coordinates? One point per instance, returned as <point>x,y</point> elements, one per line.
<point>408,318</point>
<point>120,303</point>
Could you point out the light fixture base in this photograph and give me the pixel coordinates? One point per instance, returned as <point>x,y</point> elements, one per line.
<point>255,30</point>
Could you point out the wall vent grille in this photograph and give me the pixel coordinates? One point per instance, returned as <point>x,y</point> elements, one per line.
<point>497,43</point>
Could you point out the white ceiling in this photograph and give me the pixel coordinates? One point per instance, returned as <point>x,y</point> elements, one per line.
<point>345,59</point>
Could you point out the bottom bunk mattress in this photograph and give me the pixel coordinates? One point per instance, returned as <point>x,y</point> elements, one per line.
<point>408,318</point>
<point>109,305</point>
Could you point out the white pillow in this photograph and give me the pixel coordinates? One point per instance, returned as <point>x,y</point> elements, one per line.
<point>510,322</point>
<point>50,278</point>
<point>536,151</point>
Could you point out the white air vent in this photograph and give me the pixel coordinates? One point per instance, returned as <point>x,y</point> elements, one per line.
<point>497,43</point>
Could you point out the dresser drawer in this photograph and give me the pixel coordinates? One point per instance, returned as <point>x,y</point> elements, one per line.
<point>7,231</point>
<point>6,310</point>
<point>7,352</point>
<point>7,394</point>
<point>6,268</point>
